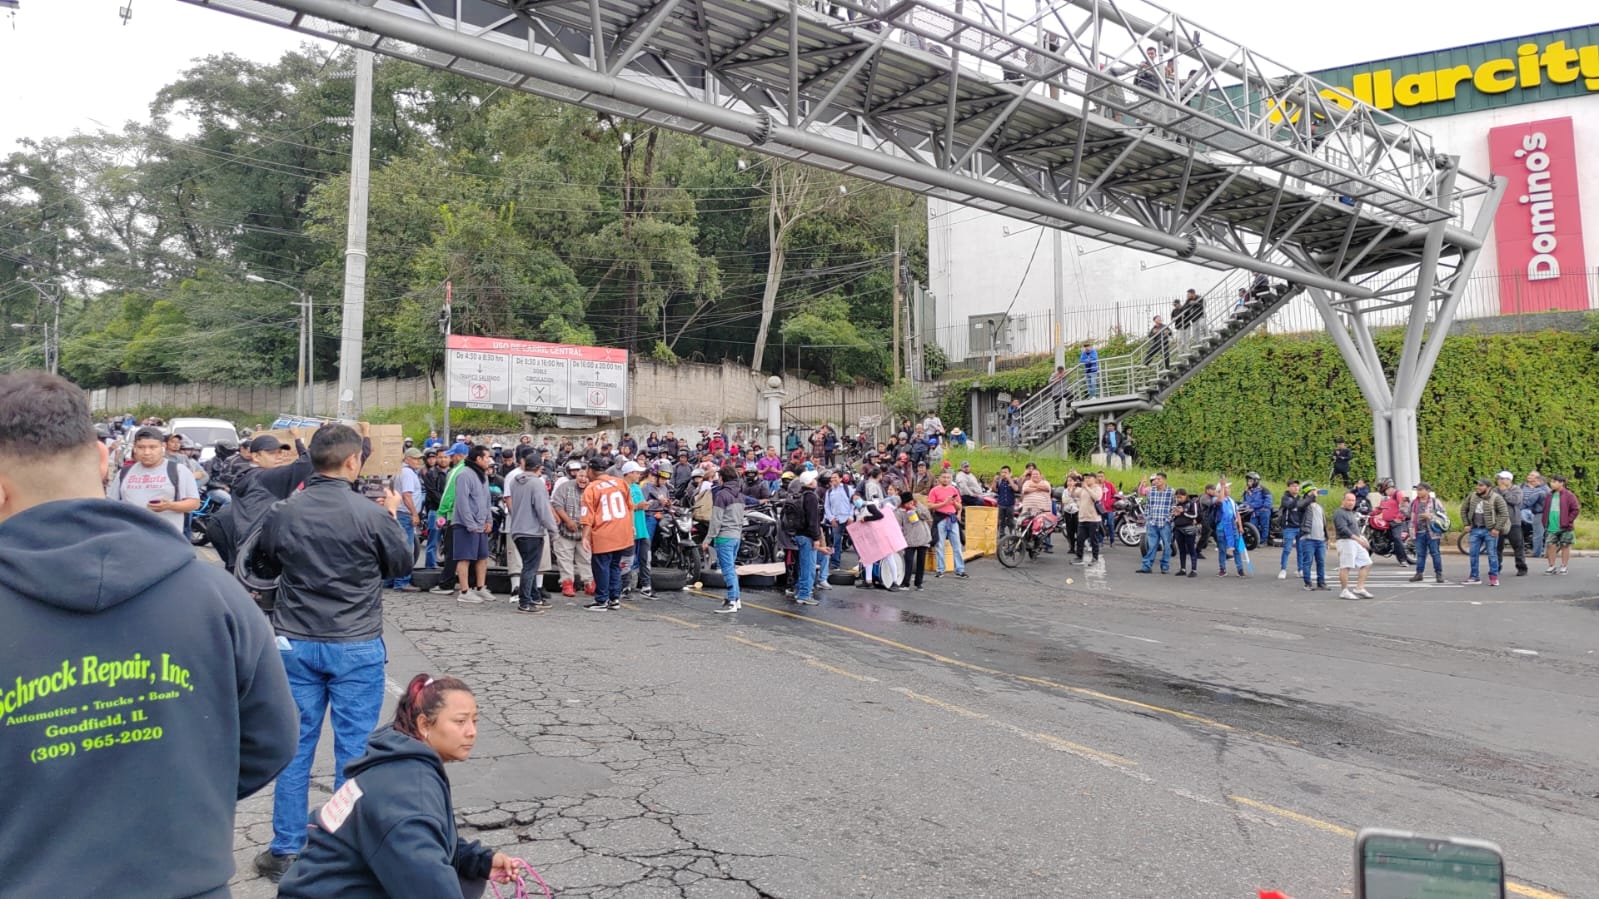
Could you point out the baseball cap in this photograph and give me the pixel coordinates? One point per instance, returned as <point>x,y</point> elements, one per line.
<point>1484,482</point>
<point>600,463</point>
<point>807,479</point>
<point>1507,475</point>
<point>574,465</point>
<point>1422,485</point>
<point>629,467</point>
<point>413,453</point>
<point>460,449</point>
<point>265,443</point>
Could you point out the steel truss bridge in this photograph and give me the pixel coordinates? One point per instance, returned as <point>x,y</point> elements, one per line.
<point>1115,119</point>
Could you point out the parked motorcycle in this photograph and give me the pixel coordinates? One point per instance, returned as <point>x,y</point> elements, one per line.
<point>758,542</point>
<point>1026,540</point>
<point>1130,523</point>
<point>201,520</point>
<point>675,546</point>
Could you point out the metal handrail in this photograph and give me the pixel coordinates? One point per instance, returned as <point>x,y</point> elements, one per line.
<point>1134,374</point>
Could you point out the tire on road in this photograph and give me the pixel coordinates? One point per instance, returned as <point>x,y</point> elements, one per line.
<point>670,579</point>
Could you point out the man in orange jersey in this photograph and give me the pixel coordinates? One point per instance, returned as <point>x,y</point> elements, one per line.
<point>607,532</point>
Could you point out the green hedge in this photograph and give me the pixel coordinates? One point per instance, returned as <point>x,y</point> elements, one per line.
<point>1276,404</point>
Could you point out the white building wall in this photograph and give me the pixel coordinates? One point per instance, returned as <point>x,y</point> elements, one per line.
<point>979,261</point>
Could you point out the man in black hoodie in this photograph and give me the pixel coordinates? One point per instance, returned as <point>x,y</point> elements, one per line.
<point>141,695</point>
<point>335,548</point>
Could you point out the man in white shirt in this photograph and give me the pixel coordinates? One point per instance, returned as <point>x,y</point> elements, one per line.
<point>408,484</point>
<point>149,482</point>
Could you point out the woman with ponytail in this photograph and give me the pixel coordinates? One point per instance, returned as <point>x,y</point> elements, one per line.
<point>390,830</point>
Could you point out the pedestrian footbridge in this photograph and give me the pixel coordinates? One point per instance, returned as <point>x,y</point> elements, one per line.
<point>1119,120</point>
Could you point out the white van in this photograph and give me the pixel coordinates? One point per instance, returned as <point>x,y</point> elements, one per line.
<point>204,431</point>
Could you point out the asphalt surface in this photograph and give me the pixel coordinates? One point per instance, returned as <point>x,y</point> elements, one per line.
<point>1015,735</point>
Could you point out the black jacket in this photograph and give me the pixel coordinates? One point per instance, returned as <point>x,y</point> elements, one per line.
<point>335,548</point>
<point>1291,513</point>
<point>165,679</point>
<point>434,480</point>
<point>389,832</point>
<point>810,514</point>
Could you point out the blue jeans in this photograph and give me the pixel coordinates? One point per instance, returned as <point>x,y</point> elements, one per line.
<point>949,528</point>
<point>1290,542</point>
<point>834,535</point>
<point>347,676</point>
<point>1227,542</point>
<point>607,570</point>
<point>432,560</point>
<point>641,561</point>
<point>806,563</point>
<point>726,562</point>
<point>1313,551</point>
<point>1159,538</point>
<point>1092,377</point>
<point>1481,542</point>
<point>1537,535</point>
<point>1427,544</point>
<point>410,540</point>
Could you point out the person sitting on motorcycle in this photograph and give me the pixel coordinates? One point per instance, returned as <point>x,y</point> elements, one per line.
<point>1390,515</point>
<point>1036,499</point>
<point>1258,503</point>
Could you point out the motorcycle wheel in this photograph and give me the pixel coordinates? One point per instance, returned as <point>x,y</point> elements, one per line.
<point>1251,537</point>
<point>1009,551</point>
<point>1381,543</point>
<point>1129,533</point>
<point>1462,544</point>
<point>690,559</point>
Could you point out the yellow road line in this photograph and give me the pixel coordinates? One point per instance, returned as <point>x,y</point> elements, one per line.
<point>1519,889</point>
<point>941,704</point>
<point>969,666</point>
<point>679,621</point>
<point>1080,749</point>
<point>737,639</point>
<point>818,663</point>
<point>1307,820</point>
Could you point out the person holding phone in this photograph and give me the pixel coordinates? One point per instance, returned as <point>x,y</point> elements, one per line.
<point>155,482</point>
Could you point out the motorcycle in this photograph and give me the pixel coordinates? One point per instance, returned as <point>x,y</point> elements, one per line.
<point>1380,535</point>
<point>674,545</point>
<point>1026,540</point>
<point>1130,523</point>
<point>201,520</point>
<point>758,542</point>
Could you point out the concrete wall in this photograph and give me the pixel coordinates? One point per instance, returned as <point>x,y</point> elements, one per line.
<point>682,395</point>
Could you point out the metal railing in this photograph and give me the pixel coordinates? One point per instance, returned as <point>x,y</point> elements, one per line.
<point>1136,379</point>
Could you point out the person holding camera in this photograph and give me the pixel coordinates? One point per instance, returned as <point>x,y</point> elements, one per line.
<point>335,548</point>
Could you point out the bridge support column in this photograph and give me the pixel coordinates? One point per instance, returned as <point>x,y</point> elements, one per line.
<point>1395,436</point>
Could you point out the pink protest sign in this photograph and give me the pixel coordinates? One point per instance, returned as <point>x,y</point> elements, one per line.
<point>876,540</point>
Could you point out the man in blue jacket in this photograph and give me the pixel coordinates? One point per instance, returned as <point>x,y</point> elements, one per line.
<point>140,694</point>
<point>335,548</point>
<point>1258,502</point>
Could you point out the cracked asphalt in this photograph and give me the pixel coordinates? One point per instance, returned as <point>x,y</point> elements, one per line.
<point>1014,735</point>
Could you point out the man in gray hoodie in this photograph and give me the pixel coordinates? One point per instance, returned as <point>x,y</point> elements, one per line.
<point>726,531</point>
<point>530,522</point>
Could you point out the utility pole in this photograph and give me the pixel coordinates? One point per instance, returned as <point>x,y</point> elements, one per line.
<point>355,242</point>
<point>304,305</point>
<point>897,304</point>
<point>1060,305</point>
<point>444,328</point>
<point>51,294</point>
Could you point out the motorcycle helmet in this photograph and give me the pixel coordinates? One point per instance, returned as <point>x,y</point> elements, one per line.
<point>1252,477</point>
<point>258,575</point>
<point>226,447</point>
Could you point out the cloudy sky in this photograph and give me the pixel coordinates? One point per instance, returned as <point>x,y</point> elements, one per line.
<point>71,65</point>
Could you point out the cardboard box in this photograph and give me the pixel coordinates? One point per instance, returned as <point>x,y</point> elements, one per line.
<point>388,451</point>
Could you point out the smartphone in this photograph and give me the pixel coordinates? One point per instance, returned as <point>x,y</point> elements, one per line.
<point>1395,864</point>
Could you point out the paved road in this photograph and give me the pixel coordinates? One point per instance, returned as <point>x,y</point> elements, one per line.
<point>1012,735</point>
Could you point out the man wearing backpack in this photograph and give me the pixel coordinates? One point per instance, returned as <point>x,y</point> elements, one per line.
<point>155,482</point>
<point>1428,523</point>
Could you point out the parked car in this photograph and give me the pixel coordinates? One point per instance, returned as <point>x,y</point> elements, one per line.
<point>204,431</point>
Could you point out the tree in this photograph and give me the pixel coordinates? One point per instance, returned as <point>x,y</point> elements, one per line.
<point>794,191</point>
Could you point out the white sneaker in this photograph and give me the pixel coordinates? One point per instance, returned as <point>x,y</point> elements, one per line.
<point>484,594</point>
<point>469,597</point>
<point>1348,594</point>
<point>1363,593</point>
<point>1282,574</point>
<point>728,606</point>
<point>446,589</point>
